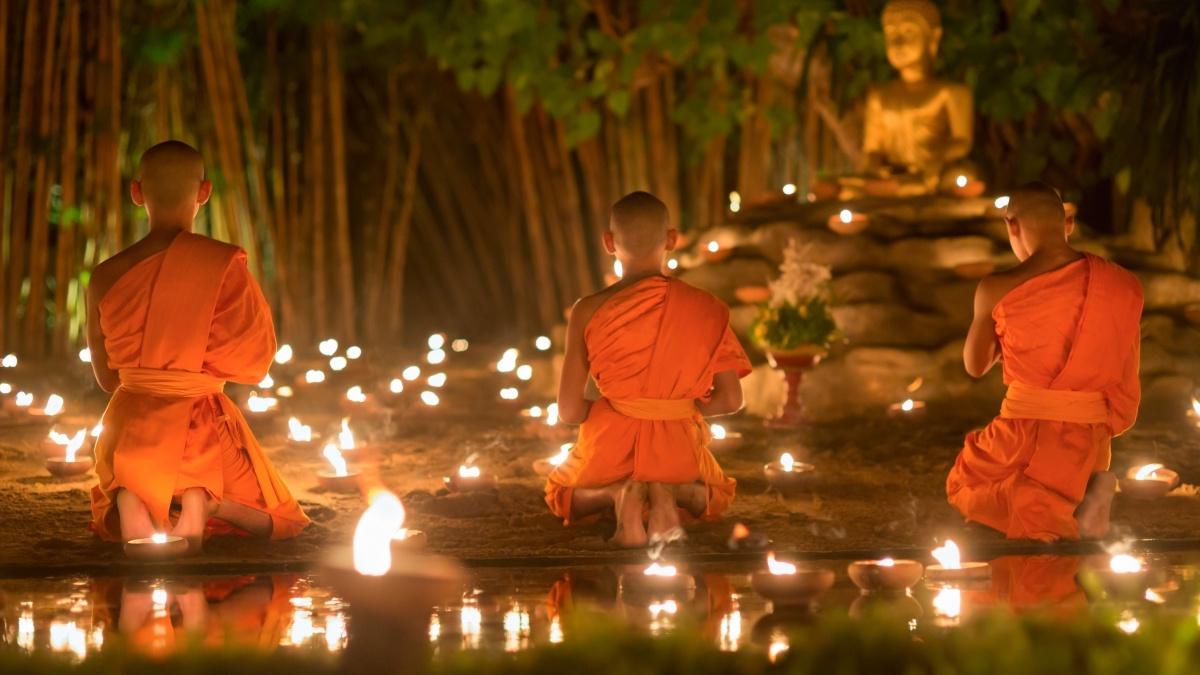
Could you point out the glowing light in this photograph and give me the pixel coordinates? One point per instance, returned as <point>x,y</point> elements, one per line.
<point>534,412</point>
<point>328,347</point>
<point>667,607</point>
<point>789,188</point>
<point>355,394</point>
<point>1154,596</point>
<point>411,373</point>
<point>1195,407</point>
<point>301,629</point>
<point>735,201</point>
<point>465,471</point>
<point>543,343</point>
<point>65,636</point>
<point>284,392</point>
<point>713,246</point>
<point>338,363</point>
<point>961,181</point>
<point>58,437</point>
<point>552,415</point>
<point>301,433</point>
<point>947,555</point>
<point>460,345</point>
<point>556,634</point>
<point>24,399</point>
<point>260,404</point>
<point>718,432</point>
<point>26,629</point>
<point>1148,472</point>
<point>354,352</point>
<point>564,451</point>
<point>159,538</point>
<point>284,354</point>
<point>516,629</point>
<point>314,376</point>
<point>54,405</point>
<point>730,631</point>
<point>1128,623</point>
<point>436,356</point>
<point>672,264</point>
<point>470,624</point>
<point>373,534</point>
<point>779,567</point>
<point>436,341</point>
<point>335,632</point>
<point>655,569</point>
<point>508,361</point>
<point>97,430</point>
<point>948,603</point>
<point>396,385</point>
<point>509,393</point>
<point>429,398</point>
<point>74,445</point>
<point>1123,563</point>
<point>846,216</point>
<point>525,373</point>
<point>345,436</point>
<point>335,459</point>
<point>778,647</point>
<point>85,355</point>
<point>435,627</point>
<point>436,380</point>
<point>907,405</point>
<point>267,382</point>
<point>886,562</point>
<point>787,462</point>
<point>9,361</point>
<point>1001,201</point>
<point>618,269</point>
<point>5,388</point>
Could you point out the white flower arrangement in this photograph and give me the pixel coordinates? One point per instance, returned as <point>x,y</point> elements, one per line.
<point>799,280</point>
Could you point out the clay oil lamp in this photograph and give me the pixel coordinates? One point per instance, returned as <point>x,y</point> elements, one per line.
<point>885,574</point>
<point>1149,481</point>
<point>657,579</point>
<point>544,466</point>
<point>725,439</point>
<point>715,252</point>
<point>787,584</point>
<point>346,440</point>
<point>70,464</point>
<point>390,589</point>
<point>848,222</point>
<point>1126,576</point>
<point>543,343</point>
<point>752,295</point>
<point>52,408</point>
<point>156,547</point>
<point>300,435</point>
<point>340,479</point>
<point>470,478</point>
<point>951,569</point>
<point>965,186</point>
<point>786,473</point>
<point>908,408</point>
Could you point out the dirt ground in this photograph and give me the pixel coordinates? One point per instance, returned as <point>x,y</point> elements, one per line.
<point>879,483</point>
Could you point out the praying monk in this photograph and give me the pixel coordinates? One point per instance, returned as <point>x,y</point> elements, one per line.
<point>663,357</point>
<point>170,320</point>
<point>1067,327</point>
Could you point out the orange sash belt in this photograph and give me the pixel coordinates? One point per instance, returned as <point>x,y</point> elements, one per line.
<point>1056,405</point>
<point>655,408</point>
<point>169,383</point>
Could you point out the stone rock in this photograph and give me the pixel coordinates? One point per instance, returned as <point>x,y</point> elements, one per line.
<point>952,298</point>
<point>1166,396</point>
<point>891,325</point>
<point>1166,290</point>
<point>821,245</point>
<point>940,252</point>
<point>728,236</point>
<point>723,279</point>
<point>926,209</point>
<point>865,287</point>
<point>1175,337</point>
<point>1156,360</point>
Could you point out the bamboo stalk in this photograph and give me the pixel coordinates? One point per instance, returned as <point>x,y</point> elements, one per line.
<point>345,263</point>
<point>315,219</point>
<point>66,262</point>
<point>5,222</point>
<point>547,310</point>
<point>25,131</point>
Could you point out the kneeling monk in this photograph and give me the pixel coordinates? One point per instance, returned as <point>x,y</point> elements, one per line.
<point>1067,326</point>
<point>663,357</point>
<point>170,320</point>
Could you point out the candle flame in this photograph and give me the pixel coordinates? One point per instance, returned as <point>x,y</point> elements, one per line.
<point>159,538</point>
<point>374,532</point>
<point>908,405</point>
<point>1123,563</point>
<point>534,412</point>
<point>260,404</point>
<point>283,355</point>
<point>618,269</point>
<point>543,343</point>
<point>1001,201</point>
<point>1128,623</point>
<point>846,216</point>
<point>1148,472</point>
<point>267,382</point>
<point>525,373</point>
<point>465,471</point>
<point>9,361</point>
<point>5,388</point>
<point>886,562</point>
<point>436,341</point>
<point>564,451</point>
<point>58,437</point>
<point>509,393</point>
<point>714,246</point>
<point>85,355</point>
<point>328,347</point>
<point>301,433</point>
<point>779,567</point>
<point>354,352</point>
<point>665,607</point>
<point>429,398</point>
<point>672,264</point>
<point>654,569</point>
<point>54,405</point>
<point>508,361</point>
<point>1195,406</point>
<point>786,462</point>
<point>552,414</point>
<point>961,181</point>
<point>411,373</point>
<point>75,444</point>
<point>789,189</point>
<point>1154,596</point>
<point>335,459</point>
<point>460,345</point>
<point>97,430</point>
<point>355,394</point>
<point>947,555</point>
<point>24,399</point>
<point>314,376</point>
<point>338,363</point>
<point>396,385</point>
<point>284,391</point>
<point>436,356</point>
<point>437,380</point>
<point>948,603</point>
<point>345,436</point>
<point>718,432</point>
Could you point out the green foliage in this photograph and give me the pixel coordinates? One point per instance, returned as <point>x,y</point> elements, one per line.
<point>790,326</point>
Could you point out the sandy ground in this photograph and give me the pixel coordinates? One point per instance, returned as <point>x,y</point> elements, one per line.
<point>878,485</point>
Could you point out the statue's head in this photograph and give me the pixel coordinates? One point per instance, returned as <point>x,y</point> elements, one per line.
<point>912,30</point>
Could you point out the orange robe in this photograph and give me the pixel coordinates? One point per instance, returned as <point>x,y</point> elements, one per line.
<point>177,326</point>
<point>1070,340</point>
<point>653,349</point>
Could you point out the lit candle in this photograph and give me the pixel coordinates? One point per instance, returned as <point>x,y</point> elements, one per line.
<point>346,441</point>
<point>85,355</point>
<point>543,343</point>
<point>298,432</point>
<point>789,189</point>
<point>657,579</point>
<point>786,462</point>
<point>70,464</point>
<point>338,363</point>
<point>396,386</point>
<point>437,380</point>
<point>951,568</point>
<point>785,583</point>
<point>509,393</point>
<point>9,361</point>
<point>886,574</point>
<point>525,373</point>
<point>847,222</point>
<point>314,376</point>
<point>355,395</point>
<point>284,354</point>
<point>341,479</point>
<point>328,347</point>
<point>429,398</point>
<point>907,407</point>
<point>786,473</point>
<point>436,341</point>
<point>778,567</point>
<point>373,534</point>
<point>1149,481</point>
<point>411,373</point>
<point>965,186</point>
<point>723,438</point>
<point>460,345</point>
<point>158,546</point>
<point>470,478</point>
<point>544,466</point>
<point>354,352</point>
<point>564,451</point>
<point>436,357</point>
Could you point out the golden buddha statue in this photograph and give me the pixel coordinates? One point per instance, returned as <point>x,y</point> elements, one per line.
<point>917,129</point>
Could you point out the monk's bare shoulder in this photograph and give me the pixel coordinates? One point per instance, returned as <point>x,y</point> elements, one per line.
<point>585,307</point>
<point>701,297</point>
<point>994,287</point>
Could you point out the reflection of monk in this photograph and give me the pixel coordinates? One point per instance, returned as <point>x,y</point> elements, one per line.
<point>170,320</point>
<point>1030,582</point>
<point>1067,327</point>
<point>663,357</point>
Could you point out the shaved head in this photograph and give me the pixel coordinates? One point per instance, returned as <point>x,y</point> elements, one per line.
<point>171,174</point>
<point>1037,206</point>
<point>639,223</point>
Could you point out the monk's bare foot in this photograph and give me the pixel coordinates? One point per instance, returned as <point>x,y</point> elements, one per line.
<point>195,510</point>
<point>664,515</point>
<point>629,498</point>
<point>1093,512</point>
<point>692,497</point>
<point>135,517</point>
